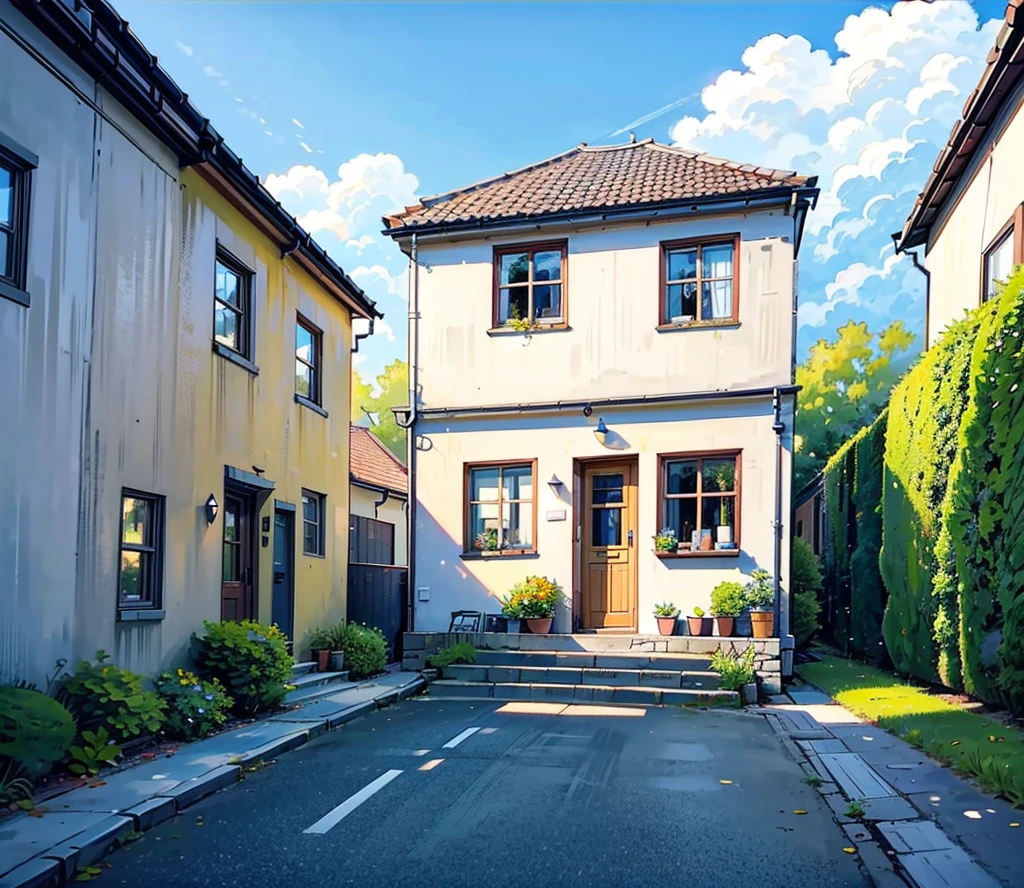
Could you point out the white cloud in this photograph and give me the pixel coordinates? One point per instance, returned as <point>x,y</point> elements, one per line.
<point>395,284</point>
<point>358,358</point>
<point>306,147</point>
<point>263,121</point>
<point>383,328</point>
<point>185,48</point>
<point>360,243</point>
<point>869,120</point>
<point>297,123</point>
<point>210,71</point>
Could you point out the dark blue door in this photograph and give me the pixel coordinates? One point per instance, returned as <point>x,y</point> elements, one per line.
<point>283,602</point>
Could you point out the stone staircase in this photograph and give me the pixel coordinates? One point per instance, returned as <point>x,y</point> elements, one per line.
<point>308,684</point>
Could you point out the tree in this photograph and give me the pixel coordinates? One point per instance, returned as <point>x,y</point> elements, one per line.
<point>844,386</point>
<point>392,390</point>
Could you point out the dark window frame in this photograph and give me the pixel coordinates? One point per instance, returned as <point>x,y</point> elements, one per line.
<point>469,548</point>
<point>315,366</point>
<point>244,310</point>
<point>685,547</point>
<point>700,243</point>
<point>19,163</point>
<point>1007,234</point>
<point>531,248</point>
<point>320,523</point>
<point>152,575</point>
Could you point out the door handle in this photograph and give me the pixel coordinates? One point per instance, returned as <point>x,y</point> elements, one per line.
<point>631,539</point>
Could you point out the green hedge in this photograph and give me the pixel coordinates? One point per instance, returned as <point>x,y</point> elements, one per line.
<point>868,594</point>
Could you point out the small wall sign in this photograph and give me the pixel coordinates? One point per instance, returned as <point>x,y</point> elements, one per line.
<point>556,515</point>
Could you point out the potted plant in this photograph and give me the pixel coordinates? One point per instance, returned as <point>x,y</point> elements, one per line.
<point>536,598</point>
<point>724,478</point>
<point>727,601</point>
<point>760,596</point>
<point>320,648</point>
<point>666,614</point>
<point>665,540</point>
<point>737,673</point>
<point>513,611</point>
<point>336,639</point>
<point>487,541</point>
<point>698,624</point>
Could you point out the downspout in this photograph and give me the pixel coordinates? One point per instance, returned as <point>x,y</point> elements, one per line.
<point>409,425</point>
<point>778,426</point>
<point>927,281</point>
<point>378,503</point>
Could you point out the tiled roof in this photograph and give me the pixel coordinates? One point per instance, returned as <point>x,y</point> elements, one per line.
<point>1004,68</point>
<point>585,178</point>
<point>373,463</point>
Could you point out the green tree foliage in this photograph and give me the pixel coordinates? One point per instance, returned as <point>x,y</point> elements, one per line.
<point>845,384</point>
<point>392,391</point>
<point>867,591</point>
<point>806,586</point>
<point>36,732</point>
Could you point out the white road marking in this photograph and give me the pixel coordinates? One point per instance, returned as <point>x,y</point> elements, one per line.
<point>335,815</point>
<point>455,741</point>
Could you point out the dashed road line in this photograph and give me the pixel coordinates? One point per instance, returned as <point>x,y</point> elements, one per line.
<point>333,817</point>
<point>455,741</point>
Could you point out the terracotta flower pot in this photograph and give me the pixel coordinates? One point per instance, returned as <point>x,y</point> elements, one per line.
<point>726,626</point>
<point>667,625</point>
<point>762,623</point>
<point>322,656</point>
<point>700,625</point>
<point>539,625</point>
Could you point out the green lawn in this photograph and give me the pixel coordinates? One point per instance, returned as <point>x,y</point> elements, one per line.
<point>972,744</point>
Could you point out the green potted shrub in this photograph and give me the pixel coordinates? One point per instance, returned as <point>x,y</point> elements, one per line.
<point>537,598</point>
<point>727,602</point>
<point>737,673</point>
<point>513,611</point>
<point>320,648</point>
<point>666,614</point>
<point>760,596</point>
<point>699,624</point>
<point>665,541</point>
<point>336,640</point>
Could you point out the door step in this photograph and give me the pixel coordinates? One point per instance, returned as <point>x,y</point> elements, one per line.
<point>671,679</point>
<point>596,660</point>
<point>303,668</point>
<point>312,685</point>
<point>581,693</point>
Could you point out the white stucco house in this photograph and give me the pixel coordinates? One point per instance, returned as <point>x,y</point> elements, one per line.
<point>601,346</point>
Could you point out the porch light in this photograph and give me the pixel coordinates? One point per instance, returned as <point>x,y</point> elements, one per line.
<point>211,509</point>
<point>555,483</point>
<point>601,432</point>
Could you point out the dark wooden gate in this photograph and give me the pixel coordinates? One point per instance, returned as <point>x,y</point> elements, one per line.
<point>377,596</point>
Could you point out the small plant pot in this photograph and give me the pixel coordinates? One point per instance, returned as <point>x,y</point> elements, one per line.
<point>700,625</point>
<point>749,692</point>
<point>539,625</point>
<point>762,623</point>
<point>337,661</point>
<point>666,625</point>
<point>322,658</point>
<point>513,626</point>
<point>726,625</point>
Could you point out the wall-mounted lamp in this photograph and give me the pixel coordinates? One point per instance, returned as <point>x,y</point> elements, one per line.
<point>211,509</point>
<point>555,484</point>
<point>601,432</point>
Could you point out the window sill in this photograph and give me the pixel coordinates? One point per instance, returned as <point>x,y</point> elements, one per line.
<point>312,554</point>
<point>236,358</point>
<point>15,294</point>
<point>312,405</point>
<point>131,615</point>
<point>486,556</point>
<point>529,331</point>
<point>698,325</point>
<point>702,553</point>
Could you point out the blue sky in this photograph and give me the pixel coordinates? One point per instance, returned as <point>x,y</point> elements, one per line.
<point>349,110</point>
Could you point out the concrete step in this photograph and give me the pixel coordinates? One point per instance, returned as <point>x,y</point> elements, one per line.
<point>314,684</point>
<point>589,659</point>
<point>644,678</point>
<point>303,668</point>
<point>580,693</point>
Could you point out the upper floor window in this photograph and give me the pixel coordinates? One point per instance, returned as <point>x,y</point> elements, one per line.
<point>700,281</point>
<point>141,546</point>
<point>232,304</point>
<point>998,263</point>
<point>700,498</point>
<point>500,515</point>
<point>15,170</point>
<point>529,285</point>
<point>308,345</point>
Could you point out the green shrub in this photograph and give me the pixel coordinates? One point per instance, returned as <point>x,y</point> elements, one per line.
<point>463,652</point>
<point>838,531</point>
<point>868,595</point>
<point>36,731</point>
<point>195,708</point>
<point>103,695</point>
<point>728,599</point>
<point>806,587</point>
<point>760,591</point>
<point>366,650</point>
<point>734,672</point>
<point>249,659</point>
<point>535,597</point>
<point>96,751</point>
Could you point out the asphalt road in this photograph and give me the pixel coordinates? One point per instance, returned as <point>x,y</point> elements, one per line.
<point>564,796</point>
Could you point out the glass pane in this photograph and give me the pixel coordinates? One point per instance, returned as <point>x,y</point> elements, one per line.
<point>717,262</point>
<point>513,304</point>
<point>483,485</point>
<point>225,326</point>
<point>547,302</point>
<point>606,527</point>
<point>719,475</point>
<point>517,483</point>
<point>719,511</point>
<point>132,585</point>
<point>517,525</point>
<point>231,566</point>
<point>137,521</point>
<point>716,300</point>
<point>310,507</point>
<point>310,538</point>
<point>515,268</point>
<point>303,344</point>
<point>682,265</point>
<point>681,516</point>
<point>681,302</point>
<point>607,489</point>
<point>6,196</point>
<point>227,285</point>
<point>303,379</point>
<point>5,266</point>
<point>230,524</point>
<point>998,264</point>
<point>682,476</point>
<point>483,526</point>
<point>547,266</point>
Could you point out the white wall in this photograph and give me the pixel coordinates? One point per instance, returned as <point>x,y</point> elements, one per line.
<point>611,347</point>
<point>392,512</point>
<point>555,440</point>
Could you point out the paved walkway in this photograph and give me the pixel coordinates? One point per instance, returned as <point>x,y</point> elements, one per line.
<point>920,820</point>
<point>78,828</point>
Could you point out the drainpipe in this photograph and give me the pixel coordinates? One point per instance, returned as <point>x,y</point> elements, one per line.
<point>378,503</point>
<point>778,426</point>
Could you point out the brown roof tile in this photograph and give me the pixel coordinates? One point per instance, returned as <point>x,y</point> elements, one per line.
<point>588,178</point>
<point>373,463</point>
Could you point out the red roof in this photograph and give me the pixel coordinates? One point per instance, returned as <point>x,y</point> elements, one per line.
<point>373,463</point>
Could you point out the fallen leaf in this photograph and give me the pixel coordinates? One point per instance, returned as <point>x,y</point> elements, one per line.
<point>799,811</point>
<point>148,755</point>
<point>850,850</point>
<point>1014,824</point>
<point>954,742</point>
<point>93,870</point>
<point>725,782</point>
<point>83,877</point>
<point>25,804</point>
<point>991,738</point>
<point>97,783</point>
<point>35,812</point>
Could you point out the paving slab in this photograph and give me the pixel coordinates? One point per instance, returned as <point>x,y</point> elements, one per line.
<point>919,835</point>
<point>820,746</point>
<point>148,814</point>
<point>184,794</point>
<point>857,832</point>
<point>796,720</point>
<point>857,779</point>
<point>892,808</point>
<point>23,837</point>
<point>948,868</point>
<point>92,844</point>
<point>809,696</point>
<point>34,874</point>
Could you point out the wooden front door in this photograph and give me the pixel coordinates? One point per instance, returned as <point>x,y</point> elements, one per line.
<point>609,565</point>
<point>237,601</point>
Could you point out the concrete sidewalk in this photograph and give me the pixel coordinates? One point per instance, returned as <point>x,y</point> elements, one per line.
<point>78,828</point>
<point>922,825</point>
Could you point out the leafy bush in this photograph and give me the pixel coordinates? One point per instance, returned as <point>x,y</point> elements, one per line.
<point>195,708</point>
<point>868,596</point>
<point>463,652</point>
<point>366,650</point>
<point>96,751</point>
<point>103,695</point>
<point>728,599</point>
<point>249,659</point>
<point>329,638</point>
<point>734,672</point>
<point>666,609</point>
<point>806,587</point>
<point>536,597</point>
<point>760,590</point>
<point>36,732</point>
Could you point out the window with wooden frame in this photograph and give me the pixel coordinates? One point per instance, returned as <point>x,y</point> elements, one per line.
<point>16,166</point>
<point>998,263</point>
<point>139,574</point>
<point>313,523</point>
<point>529,285</point>
<point>500,516</point>
<point>700,281</point>
<point>232,304</point>
<point>700,501</point>
<point>308,349</point>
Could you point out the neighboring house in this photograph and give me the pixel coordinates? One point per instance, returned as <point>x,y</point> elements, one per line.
<point>174,370</point>
<point>380,489</point>
<point>602,345</point>
<point>807,510</point>
<point>970,216</point>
